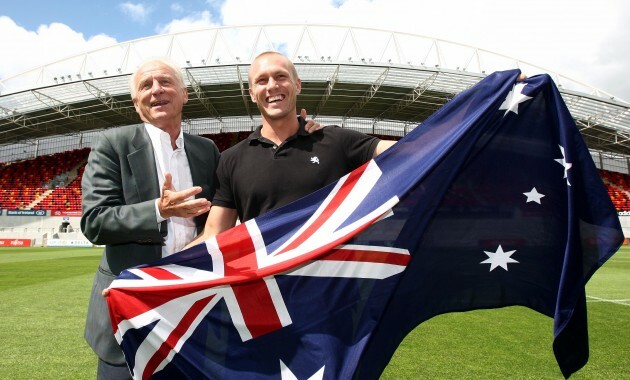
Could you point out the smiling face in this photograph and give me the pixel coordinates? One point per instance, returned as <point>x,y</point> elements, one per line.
<point>274,86</point>
<point>159,95</point>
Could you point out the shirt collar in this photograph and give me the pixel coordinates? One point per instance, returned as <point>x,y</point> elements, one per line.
<point>257,136</point>
<point>159,137</point>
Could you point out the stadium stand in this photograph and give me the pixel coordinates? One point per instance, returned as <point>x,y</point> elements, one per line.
<point>54,182</point>
<point>618,186</point>
<point>45,182</point>
<point>222,140</point>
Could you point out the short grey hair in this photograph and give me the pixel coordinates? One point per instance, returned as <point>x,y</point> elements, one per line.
<point>179,77</point>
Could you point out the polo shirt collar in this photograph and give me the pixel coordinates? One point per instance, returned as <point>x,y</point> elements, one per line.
<point>257,136</point>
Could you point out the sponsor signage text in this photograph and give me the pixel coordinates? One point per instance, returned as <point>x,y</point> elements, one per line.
<point>15,242</point>
<point>26,213</point>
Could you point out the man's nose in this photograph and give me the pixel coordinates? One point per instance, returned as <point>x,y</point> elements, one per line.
<point>271,83</point>
<point>157,87</point>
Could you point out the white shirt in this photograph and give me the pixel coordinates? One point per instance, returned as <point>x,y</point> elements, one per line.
<point>180,231</point>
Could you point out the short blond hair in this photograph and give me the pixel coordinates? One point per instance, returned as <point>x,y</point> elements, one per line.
<point>179,77</point>
<point>292,68</point>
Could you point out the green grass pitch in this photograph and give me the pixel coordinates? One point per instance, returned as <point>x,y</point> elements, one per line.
<point>44,294</point>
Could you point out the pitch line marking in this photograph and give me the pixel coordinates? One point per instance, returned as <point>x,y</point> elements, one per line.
<point>624,302</point>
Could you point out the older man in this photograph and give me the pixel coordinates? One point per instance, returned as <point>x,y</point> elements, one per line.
<point>129,200</point>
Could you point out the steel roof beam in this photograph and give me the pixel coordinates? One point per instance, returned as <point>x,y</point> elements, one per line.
<point>410,98</point>
<point>107,100</point>
<point>619,139</point>
<point>244,93</point>
<point>21,120</point>
<point>330,85</point>
<point>65,110</point>
<point>368,95</point>
<point>201,96</point>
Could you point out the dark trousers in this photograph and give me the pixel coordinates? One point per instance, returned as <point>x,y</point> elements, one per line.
<point>107,371</point>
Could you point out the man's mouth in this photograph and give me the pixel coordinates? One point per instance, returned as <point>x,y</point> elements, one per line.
<point>275,98</point>
<point>159,103</point>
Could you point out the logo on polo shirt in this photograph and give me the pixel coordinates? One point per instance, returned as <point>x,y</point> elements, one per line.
<point>315,160</point>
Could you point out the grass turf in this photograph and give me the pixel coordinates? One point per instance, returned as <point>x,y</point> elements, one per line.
<point>44,294</point>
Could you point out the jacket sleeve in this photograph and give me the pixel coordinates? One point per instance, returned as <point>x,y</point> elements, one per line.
<point>113,212</point>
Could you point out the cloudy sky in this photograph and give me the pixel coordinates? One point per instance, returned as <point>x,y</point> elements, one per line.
<point>581,39</point>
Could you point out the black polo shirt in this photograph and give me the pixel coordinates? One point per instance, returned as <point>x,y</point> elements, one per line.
<point>256,176</point>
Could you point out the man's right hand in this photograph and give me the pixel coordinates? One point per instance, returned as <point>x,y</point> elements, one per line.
<point>311,125</point>
<point>177,203</point>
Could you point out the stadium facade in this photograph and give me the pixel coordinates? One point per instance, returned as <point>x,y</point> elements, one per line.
<point>376,81</point>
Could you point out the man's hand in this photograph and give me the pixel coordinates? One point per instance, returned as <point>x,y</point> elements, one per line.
<point>176,203</point>
<point>311,125</point>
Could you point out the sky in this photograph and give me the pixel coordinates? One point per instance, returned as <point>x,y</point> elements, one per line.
<point>581,39</point>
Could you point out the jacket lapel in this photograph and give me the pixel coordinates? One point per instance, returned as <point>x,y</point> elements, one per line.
<point>142,164</point>
<point>198,171</point>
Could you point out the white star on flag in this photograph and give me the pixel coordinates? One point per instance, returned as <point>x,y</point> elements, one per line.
<point>286,374</point>
<point>533,196</point>
<point>567,165</point>
<point>499,259</point>
<point>514,98</point>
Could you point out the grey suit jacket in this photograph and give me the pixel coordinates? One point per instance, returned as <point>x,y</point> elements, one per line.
<point>120,185</point>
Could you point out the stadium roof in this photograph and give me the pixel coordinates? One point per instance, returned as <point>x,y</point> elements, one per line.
<point>387,80</point>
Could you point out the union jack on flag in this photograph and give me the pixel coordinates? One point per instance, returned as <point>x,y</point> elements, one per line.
<point>493,201</point>
<point>239,268</point>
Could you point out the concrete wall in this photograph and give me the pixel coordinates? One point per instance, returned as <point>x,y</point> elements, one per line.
<point>40,229</point>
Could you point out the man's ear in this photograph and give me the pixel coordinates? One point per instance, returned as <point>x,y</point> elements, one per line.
<point>299,85</point>
<point>251,95</point>
<point>185,94</point>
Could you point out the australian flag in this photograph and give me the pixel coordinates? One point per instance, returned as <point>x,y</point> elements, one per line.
<point>493,201</point>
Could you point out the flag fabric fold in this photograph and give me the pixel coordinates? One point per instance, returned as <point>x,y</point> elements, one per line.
<point>493,201</point>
